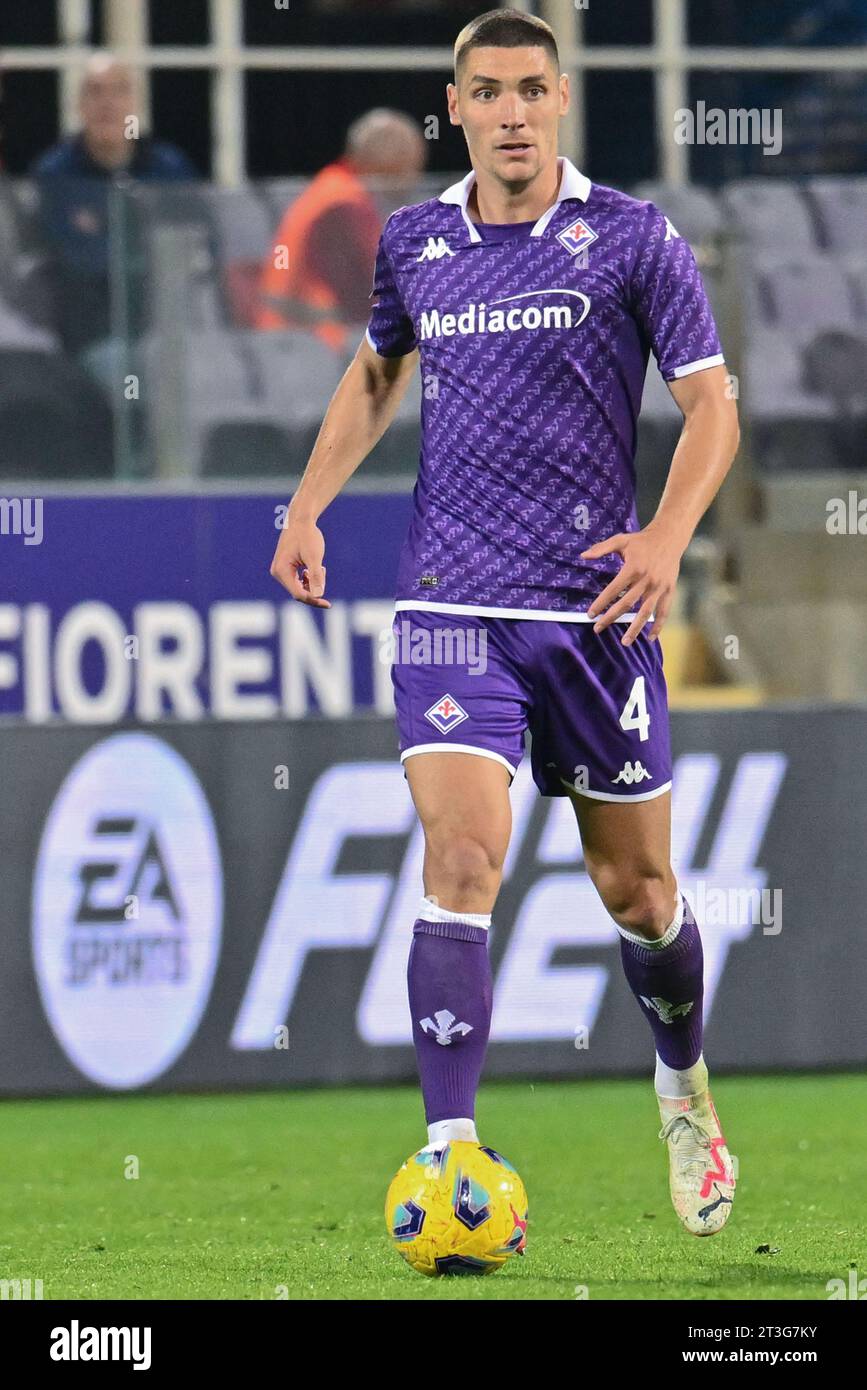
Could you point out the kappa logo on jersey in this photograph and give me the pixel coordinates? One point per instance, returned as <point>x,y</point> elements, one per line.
<point>435,250</point>
<point>671,231</point>
<point>446,714</point>
<point>577,237</point>
<point>630,773</point>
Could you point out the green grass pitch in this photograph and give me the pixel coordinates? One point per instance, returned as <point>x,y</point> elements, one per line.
<point>266,1195</point>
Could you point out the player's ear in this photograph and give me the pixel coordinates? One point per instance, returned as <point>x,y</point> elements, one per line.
<point>452,101</point>
<point>564,93</point>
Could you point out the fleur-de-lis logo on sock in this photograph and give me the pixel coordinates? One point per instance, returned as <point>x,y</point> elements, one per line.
<point>667,1012</point>
<point>445,1028</point>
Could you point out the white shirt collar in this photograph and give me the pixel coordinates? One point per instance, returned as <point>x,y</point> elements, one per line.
<point>573,184</point>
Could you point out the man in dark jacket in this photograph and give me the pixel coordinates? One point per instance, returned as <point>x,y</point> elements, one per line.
<point>79,185</point>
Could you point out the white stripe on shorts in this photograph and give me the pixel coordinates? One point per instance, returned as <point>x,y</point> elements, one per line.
<point>456,748</point>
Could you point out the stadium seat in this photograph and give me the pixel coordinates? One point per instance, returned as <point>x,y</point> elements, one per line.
<point>773,387</point>
<point>54,421</point>
<point>840,206</point>
<point>249,449</point>
<point>695,212</point>
<point>207,306</point>
<point>244,221</point>
<point>769,214</point>
<point>299,373</point>
<point>791,425</point>
<point>17,332</point>
<point>856,273</point>
<point>271,387</point>
<point>801,295</point>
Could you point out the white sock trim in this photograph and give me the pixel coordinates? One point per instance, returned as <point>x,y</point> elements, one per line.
<point>677,1085</point>
<point>670,934</point>
<point>452,1132</point>
<point>432,912</point>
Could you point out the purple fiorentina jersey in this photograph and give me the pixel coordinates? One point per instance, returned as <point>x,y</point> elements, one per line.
<point>533,344</point>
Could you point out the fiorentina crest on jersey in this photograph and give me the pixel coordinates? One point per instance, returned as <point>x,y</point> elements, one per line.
<point>446,714</point>
<point>577,237</point>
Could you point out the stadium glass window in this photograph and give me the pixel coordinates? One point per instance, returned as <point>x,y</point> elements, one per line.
<point>366,23</point>
<point>619,106</point>
<point>183,24</point>
<point>789,23</point>
<point>629,24</point>
<point>30,117</point>
<point>297,121</point>
<point>822,126</point>
<point>33,24</point>
<point>169,22</point>
<point>181,112</point>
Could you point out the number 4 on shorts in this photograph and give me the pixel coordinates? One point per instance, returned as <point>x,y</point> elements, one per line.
<point>635,714</point>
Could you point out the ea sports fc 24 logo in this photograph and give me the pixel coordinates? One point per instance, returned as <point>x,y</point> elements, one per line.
<point>720,814</point>
<point>127,910</point>
<point>510,315</point>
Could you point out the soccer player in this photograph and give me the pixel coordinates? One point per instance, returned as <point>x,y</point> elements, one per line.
<point>531,298</point>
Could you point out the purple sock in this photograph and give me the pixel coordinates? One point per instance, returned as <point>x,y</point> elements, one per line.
<point>450,999</point>
<point>668,983</point>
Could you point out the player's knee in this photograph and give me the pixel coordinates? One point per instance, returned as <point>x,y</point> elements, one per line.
<point>465,865</point>
<point>639,901</point>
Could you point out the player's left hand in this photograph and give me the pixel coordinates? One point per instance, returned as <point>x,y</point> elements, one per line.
<point>646,582</point>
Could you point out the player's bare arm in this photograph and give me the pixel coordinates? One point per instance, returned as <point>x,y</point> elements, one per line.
<point>651,557</point>
<point>360,411</point>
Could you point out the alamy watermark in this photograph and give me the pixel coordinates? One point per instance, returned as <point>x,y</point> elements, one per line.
<point>22,516</point>
<point>846,516</point>
<point>402,645</point>
<point>852,1287</point>
<point>736,126</point>
<point>728,907</point>
<point>20,1289</point>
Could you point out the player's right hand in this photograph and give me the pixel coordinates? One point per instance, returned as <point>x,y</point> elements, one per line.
<point>297,563</point>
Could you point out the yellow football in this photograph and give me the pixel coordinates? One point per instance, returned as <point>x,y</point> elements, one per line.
<point>457,1208</point>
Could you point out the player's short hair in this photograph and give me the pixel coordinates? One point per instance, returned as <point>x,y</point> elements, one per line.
<point>504,29</point>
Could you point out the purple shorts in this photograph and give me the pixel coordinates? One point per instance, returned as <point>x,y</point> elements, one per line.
<point>597,711</point>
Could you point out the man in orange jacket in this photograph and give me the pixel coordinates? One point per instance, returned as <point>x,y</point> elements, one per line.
<point>320,266</point>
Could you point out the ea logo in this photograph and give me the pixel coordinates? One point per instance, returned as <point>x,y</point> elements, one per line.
<point>127,910</point>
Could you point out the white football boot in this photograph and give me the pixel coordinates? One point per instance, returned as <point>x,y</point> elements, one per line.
<point>702,1173</point>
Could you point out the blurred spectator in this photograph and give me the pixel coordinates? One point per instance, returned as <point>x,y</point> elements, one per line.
<point>75,181</point>
<point>45,400</point>
<point>320,267</point>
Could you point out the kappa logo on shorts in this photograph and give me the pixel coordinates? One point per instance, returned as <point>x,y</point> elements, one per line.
<point>446,714</point>
<point>631,773</point>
